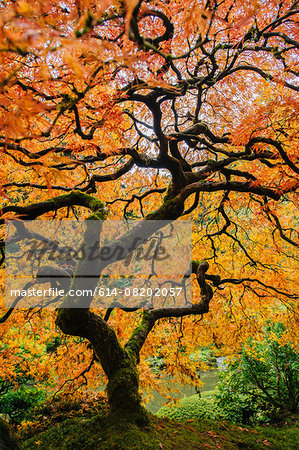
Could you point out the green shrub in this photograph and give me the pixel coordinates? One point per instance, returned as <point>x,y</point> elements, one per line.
<point>16,404</point>
<point>260,386</point>
<point>263,382</point>
<point>193,407</point>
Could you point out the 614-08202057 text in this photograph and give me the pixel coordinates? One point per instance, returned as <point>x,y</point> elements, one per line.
<point>100,291</point>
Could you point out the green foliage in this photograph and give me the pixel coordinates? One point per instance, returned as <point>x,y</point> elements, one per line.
<point>238,410</point>
<point>157,364</point>
<point>193,407</point>
<point>16,404</point>
<point>205,355</point>
<point>260,386</point>
<point>241,407</point>
<point>263,382</point>
<point>53,343</point>
<point>19,394</point>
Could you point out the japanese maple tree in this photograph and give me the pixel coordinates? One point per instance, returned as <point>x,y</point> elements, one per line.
<point>159,110</point>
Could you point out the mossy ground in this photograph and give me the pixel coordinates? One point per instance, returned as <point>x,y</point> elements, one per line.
<point>97,433</point>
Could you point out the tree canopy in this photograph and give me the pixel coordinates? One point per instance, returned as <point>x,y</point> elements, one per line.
<point>161,110</point>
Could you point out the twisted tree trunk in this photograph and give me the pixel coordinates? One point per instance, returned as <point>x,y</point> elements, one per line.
<point>119,364</point>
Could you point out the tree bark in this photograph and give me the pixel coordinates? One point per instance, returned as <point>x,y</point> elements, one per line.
<point>118,363</point>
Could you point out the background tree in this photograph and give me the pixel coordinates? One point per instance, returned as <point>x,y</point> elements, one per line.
<point>262,383</point>
<point>189,110</point>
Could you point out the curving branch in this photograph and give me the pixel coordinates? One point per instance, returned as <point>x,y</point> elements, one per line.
<point>35,210</point>
<point>150,317</point>
<point>237,186</point>
<point>278,146</point>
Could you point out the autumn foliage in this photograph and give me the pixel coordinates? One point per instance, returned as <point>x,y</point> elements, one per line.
<point>162,110</point>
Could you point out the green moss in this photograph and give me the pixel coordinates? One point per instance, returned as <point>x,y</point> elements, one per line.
<point>123,387</point>
<point>95,216</point>
<point>81,199</point>
<point>170,209</point>
<point>137,335</point>
<point>60,409</point>
<point>124,397</point>
<point>93,203</point>
<point>99,433</point>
